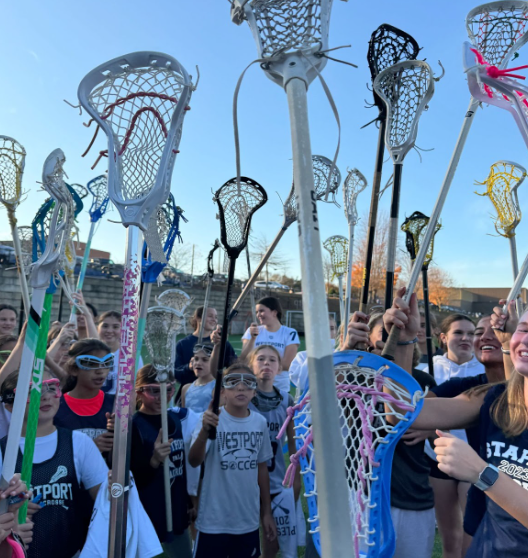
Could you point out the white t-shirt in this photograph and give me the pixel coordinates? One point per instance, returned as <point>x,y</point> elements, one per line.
<point>230,497</point>
<point>279,339</point>
<point>299,369</point>
<point>90,466</point>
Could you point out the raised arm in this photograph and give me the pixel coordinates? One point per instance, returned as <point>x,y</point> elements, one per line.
<point>504,325</point>
<point>249,344</point>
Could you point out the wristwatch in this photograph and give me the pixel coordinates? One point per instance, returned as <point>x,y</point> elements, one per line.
<point>488,477</point>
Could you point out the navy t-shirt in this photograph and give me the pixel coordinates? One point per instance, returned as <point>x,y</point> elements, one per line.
<point>499,534</point>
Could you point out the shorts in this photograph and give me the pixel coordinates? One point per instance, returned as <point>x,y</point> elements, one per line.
<point>246,545</point>
<point>415,532</point>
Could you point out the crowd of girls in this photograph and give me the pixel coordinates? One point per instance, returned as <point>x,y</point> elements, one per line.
<point>227,497</point>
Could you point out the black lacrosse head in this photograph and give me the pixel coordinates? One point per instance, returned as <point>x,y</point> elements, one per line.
<point>389,45</point>
<point>210,267</point>
<point>414,228</point>
<point>237,202</point>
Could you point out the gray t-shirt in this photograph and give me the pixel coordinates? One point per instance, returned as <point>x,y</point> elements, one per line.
<point>230,497</point>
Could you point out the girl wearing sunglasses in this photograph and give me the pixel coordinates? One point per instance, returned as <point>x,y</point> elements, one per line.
<point>148,454</point>
<point>85,407</point>
<point>66,466</point>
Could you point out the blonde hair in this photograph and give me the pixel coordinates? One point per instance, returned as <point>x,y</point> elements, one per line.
<point>509,411</point>
<point>255,352</point>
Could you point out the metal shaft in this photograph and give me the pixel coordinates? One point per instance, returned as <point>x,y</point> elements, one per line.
<point>373,215</point>
<point>515,268</point>
<point>333,491</point>
<point>348,288</point>
<point>20,264</point>
<point>427,315</point>
<point>341,301</point>
<point>205,306</point>
<point>393,235</point>
<point>125,398</point>
<point>251,291</point>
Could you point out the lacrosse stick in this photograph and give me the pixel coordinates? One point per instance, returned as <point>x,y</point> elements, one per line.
<point>354,184</point>
<point>210,275</point>
<point>338,247</point>
<point>234,198</point>
<point>168,220</point>
<point>99,190</point>
<point>321,171</point>
<point>34,352</point>
<point>414,229</point>
<point>12,161</point>
<point>502,183</point>
<point>292,38</point>
<point>80,190</point>
<point>139,100</point>
<point>162,326</point>
<point>387,46</point>
<point>26,246</point>
<point>175,299</point>
<point>370,393</point>
<point>405,88</point>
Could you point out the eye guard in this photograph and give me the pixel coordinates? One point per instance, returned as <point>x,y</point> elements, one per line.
<point>51,386</point>
<point>207,349</point>
<point>231,381</point>
<point>90,362</point>
<point>153,390</point>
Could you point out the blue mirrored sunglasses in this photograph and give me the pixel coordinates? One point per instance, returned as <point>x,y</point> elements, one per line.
<point>91,362</point>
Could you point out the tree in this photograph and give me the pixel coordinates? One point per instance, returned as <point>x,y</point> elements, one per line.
<point>441,285</point>
<point>278,262</point>
<point>181,256</point>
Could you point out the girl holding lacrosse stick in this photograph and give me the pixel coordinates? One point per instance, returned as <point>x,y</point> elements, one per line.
<point>272,404</point>
<point>236,488</point>
<point>272,332</point>
<point>148,454</point>
<point>85,407</point>
<point>197,396</point>
<point>65,465</point>
<point>503,453</point>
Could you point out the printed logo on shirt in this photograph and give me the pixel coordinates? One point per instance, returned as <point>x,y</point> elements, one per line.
<point>239,450</point>
<point>502,450</point>
<point>56,493</point>
<point>93,433</point>
<point>176,459</point>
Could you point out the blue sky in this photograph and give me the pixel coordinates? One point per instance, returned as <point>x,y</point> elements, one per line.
<point>48,48</point>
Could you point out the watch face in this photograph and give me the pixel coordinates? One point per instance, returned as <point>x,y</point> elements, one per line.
<point>489,475</point>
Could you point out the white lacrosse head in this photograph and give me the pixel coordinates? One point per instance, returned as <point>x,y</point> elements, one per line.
<point>161,328</point>
<point>292,30</point>
<point>354,184</point>
<point>12,162</point>
<point>405,88</point>
<point>139,100</point>
<point>337,245</point>
<point>175,299</point>
<point>26,244</point>
<point>321,172</point>
<point>498,29</point>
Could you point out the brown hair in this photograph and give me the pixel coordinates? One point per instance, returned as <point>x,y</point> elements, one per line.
<point>82,347</point>
<point>198,314</point>
<point>109,314</point>
<point>244,368</point>
<point>7,389</point>
<point>432,318</point>
<point>447,322</point>
<point>273,304</point>
<point>256,351</point>
<point>9,307</point>
<point>148,375</point>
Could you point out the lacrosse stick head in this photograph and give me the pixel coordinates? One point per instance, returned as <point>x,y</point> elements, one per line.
<point>322,179</point>
<point>290,35</point>
<point>139,100</point>
<point>502,183</point>
<point>290,209</point>
<point>369,441</point>
<point>237,202</point>
<point>168,229</point>
<point>498,29</point>
<point>338,247</point>
<point>26,244</point>
<point>98,187</point>
<point>76,198</point>
<point>12,161</point>
<point>414,228</point>
<point>354,184</point>
<point>405,88</point>
<point>175,299</point>
<point>161,328</point>
<point>389,45</point>
<point>210,263</point>
<point>80,190</point>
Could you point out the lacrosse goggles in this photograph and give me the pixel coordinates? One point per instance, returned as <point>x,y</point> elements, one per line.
<point>232,380</point>
<point>51,386</point>
<point>91,362</point>
<point>154,391</point>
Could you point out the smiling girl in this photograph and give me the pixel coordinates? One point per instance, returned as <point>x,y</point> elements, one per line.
<point>197,396</point>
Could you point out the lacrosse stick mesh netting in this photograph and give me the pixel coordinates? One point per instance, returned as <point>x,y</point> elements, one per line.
<point>12,160</point>
<point>162,326</point>
<point>405,89</point>
<point>414,228</point>
<point>501,188</point>
<point>496,28</point>
<point>26,244</point>
<point>98,187</point>
<point>354,184</point>
<point>338,248</point>
<point>175,299</point>
<point>364,410</point>
<point>138,105</point>
<point>237,203</point>
<point>321,172</point>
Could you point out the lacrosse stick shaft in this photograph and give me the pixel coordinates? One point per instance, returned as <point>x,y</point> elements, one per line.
<point>373,217</point>
<point>336,529</point>
<point>24,378</point>
<point>20,265</point>
<point>515,268</point>
<point>142,321</point>
<point>427,315</point>
<point>348,287</point>
<point>205,306</point>
<point>34,401</point>
<point>341,301</point>
<point>390,346</point>
<point>519,280</point>
<point>125,398</point>
<point>166,463</point>
<point>256,273</point>
<point>252,291</point>
<point>84,265</point>
<point>223,342</point>
<point>393,235</point>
